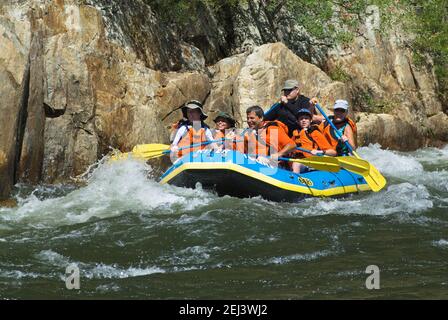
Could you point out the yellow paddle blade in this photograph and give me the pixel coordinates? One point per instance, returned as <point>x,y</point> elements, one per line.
<point>119,156</point>
<point>373,177</point>
<point>320,163</point>
<point>143,151</point>
<point>129,155</point>
<point>150,148</point>
<point>355,165</point>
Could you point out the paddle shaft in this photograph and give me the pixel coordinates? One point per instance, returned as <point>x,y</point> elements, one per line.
<point>308,151</point>
<point>171,112</point>
<point>307,160</point>
<point>288,159</point>
<point>203,143</point>
<point>373,177</point>
<point>335,129</point>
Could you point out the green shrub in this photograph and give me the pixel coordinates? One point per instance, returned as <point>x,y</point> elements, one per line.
<point>339,74</point>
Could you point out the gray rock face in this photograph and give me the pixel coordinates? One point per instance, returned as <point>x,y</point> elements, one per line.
<point>251,79</point>
<point>402,97</point>
<point>69,92</point>
<point>133,24</point>
<point>15,38</point>
<point>235,28</point>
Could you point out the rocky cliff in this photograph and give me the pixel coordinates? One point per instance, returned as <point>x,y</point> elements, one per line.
<point>80,77</point>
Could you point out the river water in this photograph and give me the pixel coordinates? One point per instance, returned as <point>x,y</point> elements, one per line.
<point>133,238</point>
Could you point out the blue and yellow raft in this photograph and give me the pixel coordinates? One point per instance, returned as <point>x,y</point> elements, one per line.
<point>236,174</point>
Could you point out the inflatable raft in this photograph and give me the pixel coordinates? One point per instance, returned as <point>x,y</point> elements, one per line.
<point>236,174</point>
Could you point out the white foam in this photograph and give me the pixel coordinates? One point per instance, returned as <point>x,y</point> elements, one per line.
<point>432,155</point>
<point>300,257</point>
<point>113,188</point>
<point>189,256</point>
<point>108,288</point>
<point>53,258</point>
<point>123,186</point>
<point>400,198</point>
<point>442,243</point>
<point>96,270</point>
<point>408,166</point>
<point>102,271</point>
<point>391,163</point>
<point>18,274</point>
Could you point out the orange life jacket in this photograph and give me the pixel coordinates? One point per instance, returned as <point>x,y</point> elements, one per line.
<point>218,134</point>
<point>331,136</point>
<point>255,143</point>
<point>310,139</point>
<point>175,126</point>
<point>192,136</point>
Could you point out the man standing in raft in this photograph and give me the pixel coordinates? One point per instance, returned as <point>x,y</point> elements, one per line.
<point>291,101</point>
<point>345,125</point>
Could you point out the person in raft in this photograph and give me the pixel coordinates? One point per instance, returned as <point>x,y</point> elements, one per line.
<point>225,129</point>
<point>267,140</point>
<point>175,126</point>
<point>345,125</point>
<point>193,131</point>
<point>310,138</point>
<point>225,124</point>
<point>291,101</point>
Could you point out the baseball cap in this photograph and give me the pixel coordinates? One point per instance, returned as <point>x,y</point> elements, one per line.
<point>341,104</point>
<point>304,111</point>
<point>290,84</point>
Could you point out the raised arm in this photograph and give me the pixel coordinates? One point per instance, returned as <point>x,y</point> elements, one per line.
<point>271,114</point>
<point>349,136</point>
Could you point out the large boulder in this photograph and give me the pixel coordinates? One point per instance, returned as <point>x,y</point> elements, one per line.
<point>257,78</point>
<point>72,89</point>
<point>403,101</point>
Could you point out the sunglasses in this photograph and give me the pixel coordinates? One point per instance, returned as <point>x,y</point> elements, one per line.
<point>340,110</point>
<point>288,91</point>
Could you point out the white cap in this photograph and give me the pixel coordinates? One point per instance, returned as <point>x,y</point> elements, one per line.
<point>341,104</point>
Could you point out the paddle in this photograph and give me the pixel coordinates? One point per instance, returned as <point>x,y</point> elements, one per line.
<point>371,174</point>
<point>329,164</point>
<point>175,109</point>
<point>143,151</point>
<point>352,164</point>
<point>155,150</point>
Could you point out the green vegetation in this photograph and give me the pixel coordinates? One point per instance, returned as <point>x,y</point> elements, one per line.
<point>425,21</point>
<point>339,74</point>
<point>431,28</point>
<point>369,104</point>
